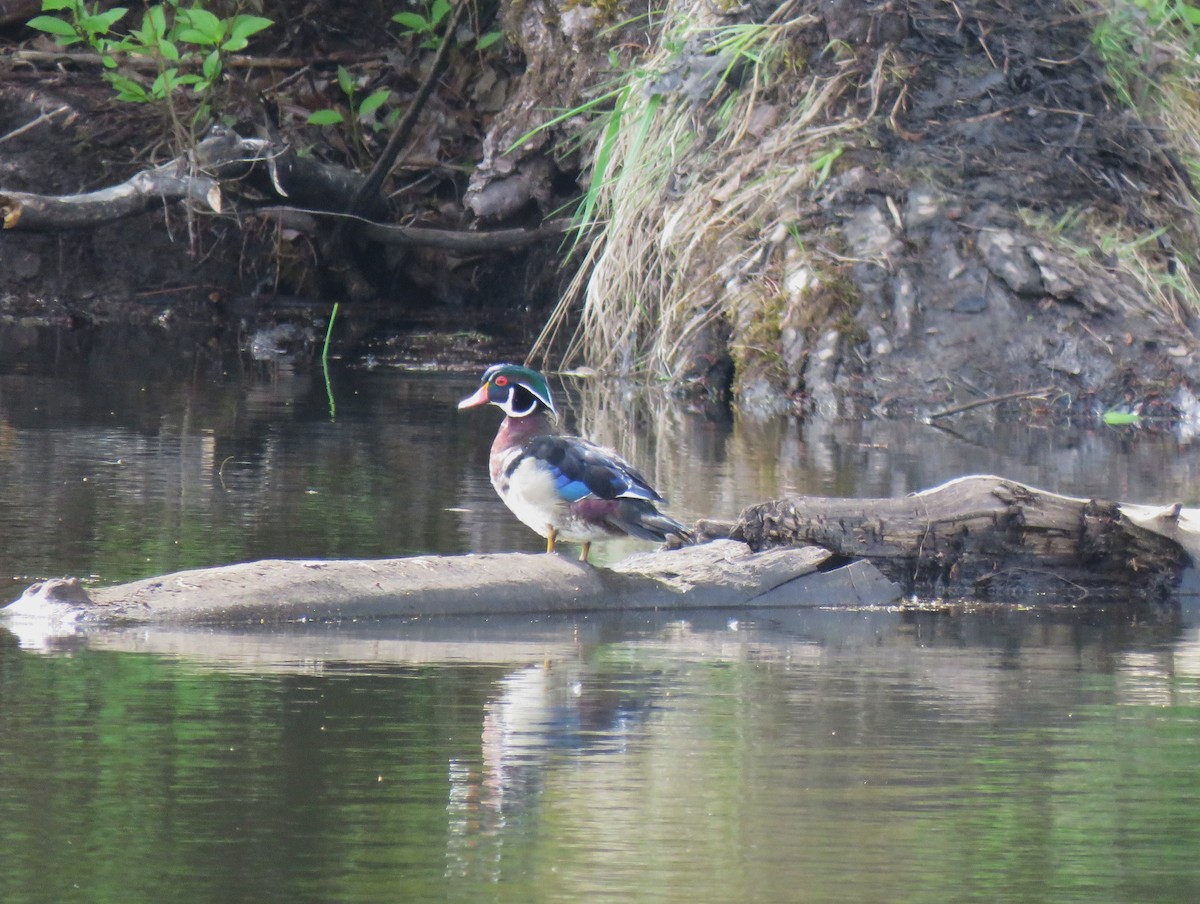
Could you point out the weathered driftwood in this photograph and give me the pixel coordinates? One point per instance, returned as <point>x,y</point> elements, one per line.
<point>144,191</point>
<point>976,537</point>
<point>988,537</point>
<point>273,170</point>
<point>724,574</point>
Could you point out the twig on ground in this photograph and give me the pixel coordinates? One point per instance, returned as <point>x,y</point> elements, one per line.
<point>35,122</point>
<point>990,400</point>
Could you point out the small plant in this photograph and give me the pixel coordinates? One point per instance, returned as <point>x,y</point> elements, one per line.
<point>362,111</point>
<point>188,45</point>
<point>80,25</point>
<point>424,26</point>
<point>823,165</point>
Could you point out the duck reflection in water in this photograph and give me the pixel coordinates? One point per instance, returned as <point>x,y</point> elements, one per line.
<point>541,714</point>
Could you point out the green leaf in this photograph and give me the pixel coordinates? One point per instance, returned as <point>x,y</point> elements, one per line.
<point>50,6</point>
<point>373,101</point>
<point>483,42</point>
<point>154,25</point>
<point>53,26</point>
<point>604,155</point>
<point>168,50</point>
<point>212,66</point>
<point>345,82</point>
<point>614,94</point>
<point>325,118</point>
<point>193,36</point>
<point>242,28</point>
<point>109,18</point>
<point>127,89</point>
<point>164,84</point>
<point>208,28</point>
<point>1114,418</point>
<point>412,21</point>
<point>438,11</point>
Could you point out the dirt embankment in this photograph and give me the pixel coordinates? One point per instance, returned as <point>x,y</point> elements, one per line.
<point>948,251</point>
<point>990,218</point>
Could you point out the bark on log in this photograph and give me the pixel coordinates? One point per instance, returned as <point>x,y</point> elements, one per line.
<point>144,191</point>
<point>724,574</point>
<point>485,242</point>
<point>223,155</point>
<point>978,537</point>
<point>987,537</point>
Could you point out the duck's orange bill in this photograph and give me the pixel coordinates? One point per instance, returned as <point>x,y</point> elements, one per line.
<point>480,398</point>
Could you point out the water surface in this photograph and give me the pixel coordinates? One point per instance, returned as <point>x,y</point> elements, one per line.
<point>789,755</point>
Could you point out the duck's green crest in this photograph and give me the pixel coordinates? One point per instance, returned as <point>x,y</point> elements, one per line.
<point>513,388</point>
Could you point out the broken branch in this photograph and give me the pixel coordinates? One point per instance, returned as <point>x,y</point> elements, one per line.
<point>146,190</point>
<point>990,400</point>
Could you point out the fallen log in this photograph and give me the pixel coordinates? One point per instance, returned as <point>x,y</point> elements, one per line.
<point>722,574</point>
<point>274,172</point>
<point>141,192</point>
<point>990,538</point>
<point>979,537</point>
<point>222,156</point>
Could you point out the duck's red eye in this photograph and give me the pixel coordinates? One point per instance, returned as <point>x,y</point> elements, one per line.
<point>500,381</point>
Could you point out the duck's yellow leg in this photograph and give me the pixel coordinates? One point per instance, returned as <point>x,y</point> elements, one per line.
<point>551,536</point>
<point>587,546</point>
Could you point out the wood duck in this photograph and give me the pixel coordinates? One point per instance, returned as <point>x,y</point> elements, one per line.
<point>563,487</point>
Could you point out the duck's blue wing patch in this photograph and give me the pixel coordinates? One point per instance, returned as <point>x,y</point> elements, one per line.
<point>570,489</point>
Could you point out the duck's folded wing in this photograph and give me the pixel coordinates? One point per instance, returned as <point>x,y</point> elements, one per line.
<point>583,469</point>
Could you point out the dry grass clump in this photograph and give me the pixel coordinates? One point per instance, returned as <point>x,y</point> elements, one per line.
<point>1152,52</point>
<point>700,170</point>
<point>711,154</point>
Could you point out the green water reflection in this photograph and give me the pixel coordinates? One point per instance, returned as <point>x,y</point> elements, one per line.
<point>849,757</point>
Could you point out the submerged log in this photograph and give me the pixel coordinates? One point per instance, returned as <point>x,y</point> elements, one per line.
<point>723,574</point>
<point>987,537</point>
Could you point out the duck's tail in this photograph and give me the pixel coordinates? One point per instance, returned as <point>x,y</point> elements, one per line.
<point>639,518</point>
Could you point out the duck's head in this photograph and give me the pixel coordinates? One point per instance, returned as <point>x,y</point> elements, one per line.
<point>517,391</point>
